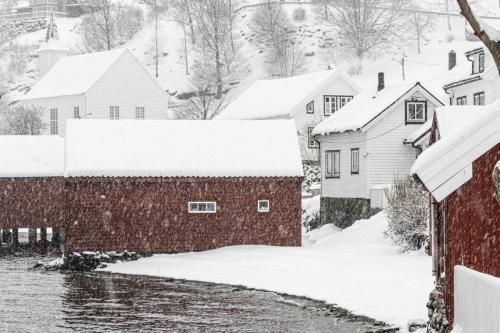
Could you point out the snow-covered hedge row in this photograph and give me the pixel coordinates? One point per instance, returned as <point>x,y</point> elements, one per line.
<point>477,301</point>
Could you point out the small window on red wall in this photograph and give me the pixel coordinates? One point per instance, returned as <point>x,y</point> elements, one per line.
<point>263,206</point>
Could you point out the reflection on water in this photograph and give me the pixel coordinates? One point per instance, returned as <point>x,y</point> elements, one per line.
<point>34,301</point>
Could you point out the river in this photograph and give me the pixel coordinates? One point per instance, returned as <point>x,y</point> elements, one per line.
<point>39,301</point>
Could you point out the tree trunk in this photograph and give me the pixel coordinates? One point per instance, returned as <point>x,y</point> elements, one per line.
<point>31,237</point>
<point>492,45</point>
<point>218,74</point>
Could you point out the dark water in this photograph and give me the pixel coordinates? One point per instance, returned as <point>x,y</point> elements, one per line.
<point>36,301</point>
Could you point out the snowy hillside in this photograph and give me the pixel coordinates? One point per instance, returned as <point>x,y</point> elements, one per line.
<point>317,40</point>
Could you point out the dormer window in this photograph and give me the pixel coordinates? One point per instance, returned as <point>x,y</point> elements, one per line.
<point>416,112</point>
<point>310,107</point>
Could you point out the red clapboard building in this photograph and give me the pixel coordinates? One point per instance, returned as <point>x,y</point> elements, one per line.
<point>458,171</point>
<point>167,186</point>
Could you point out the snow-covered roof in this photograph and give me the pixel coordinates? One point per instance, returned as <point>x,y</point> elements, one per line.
<point>419,133</point>
<point>74,75</point>
<point>182,148</point>
<point>451,119</point>
<point>365,107</point>
<point>280,97</point>
<point>447,164</point>
<point>31,156</point>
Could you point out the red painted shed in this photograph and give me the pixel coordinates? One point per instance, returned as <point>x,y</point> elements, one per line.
<point>457,169</point>
<point>170,186</point>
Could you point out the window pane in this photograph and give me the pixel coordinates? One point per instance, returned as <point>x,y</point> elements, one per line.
<point>193,207</point>
<point>336,163</point>
<point>328,158</point>
<point>210,207</point>
<point>202,207</point>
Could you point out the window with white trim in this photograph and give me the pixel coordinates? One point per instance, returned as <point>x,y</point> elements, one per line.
<point>462,100</point>
<point>355,161</point>
<point>310,107</point>
<point>479,98</point>
<point>76,112</point>
<point>139,112</point>
<point>202,207</point>
<point>332,164</point>
<point>114,112</point>
<point>312,143</point>
<point>333,103</point>
<point>54,122</point>
<point>416,112</point>
<point>263,206</point>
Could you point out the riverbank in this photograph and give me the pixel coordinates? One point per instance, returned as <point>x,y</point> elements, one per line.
<point>357,269</point>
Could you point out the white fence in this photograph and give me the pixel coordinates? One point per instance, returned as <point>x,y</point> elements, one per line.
<point>477,302</point>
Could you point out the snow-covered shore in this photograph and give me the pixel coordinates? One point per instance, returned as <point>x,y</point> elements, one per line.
<point>357,269</point>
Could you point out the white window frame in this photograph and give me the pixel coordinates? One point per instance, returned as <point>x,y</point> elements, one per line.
<point>140,111</point>
<point>263,210</point>
<point>54,121</point>
<point>198,203</point>
<point>415,104</point>
<point>333,103</point>
<point>114,112</point>
<point>332,164</point>
<point>355,161</point>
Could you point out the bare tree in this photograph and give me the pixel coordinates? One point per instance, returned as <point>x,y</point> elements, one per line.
<point>24,120</point>
<point>107,25</point>
<point>204,104</point>
<point>489,41</point>
<point>99,25</point>
<point>284,54</point>
<point>421,22</point>
<point>213,23</point>
<point>181,13</point>
<point>366,24</point>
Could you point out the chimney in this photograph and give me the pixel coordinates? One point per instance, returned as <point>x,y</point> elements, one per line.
<point>452,60</point>
<point>381,81</point>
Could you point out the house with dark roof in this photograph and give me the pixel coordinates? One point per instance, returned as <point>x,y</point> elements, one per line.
<point>363,147</point>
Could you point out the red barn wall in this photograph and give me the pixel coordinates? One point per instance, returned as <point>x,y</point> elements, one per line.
<point>151,214</point>
<point>31,202</point>
<point>472,234</point>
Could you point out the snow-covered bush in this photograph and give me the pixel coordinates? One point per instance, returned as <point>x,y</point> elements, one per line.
<point>299,14</point>
<point>22,120</point>
<point>310,213</point>
<point>407,213</point>
<point>312,174</point>
<point>18,58</point>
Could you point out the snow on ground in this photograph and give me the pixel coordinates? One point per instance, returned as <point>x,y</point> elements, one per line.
<point>357,269</point>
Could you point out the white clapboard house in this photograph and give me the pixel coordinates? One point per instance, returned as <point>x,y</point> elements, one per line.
<point>480,86</point>
<point>374,138</point>
<point>308,99</point>
<point>102,85</point>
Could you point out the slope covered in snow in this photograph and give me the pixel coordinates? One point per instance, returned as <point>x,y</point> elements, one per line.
<point>340,267</point>
<point>314,37</point>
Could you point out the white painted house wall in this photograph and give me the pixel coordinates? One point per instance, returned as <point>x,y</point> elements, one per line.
<point>303,120</point>
<point>383,155</point>
<point>128,85</point>
<point>491,89</point>
<point>65,109</point>
<point>125,84</point>
<point>388,157</point>
<point>348,185</point>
